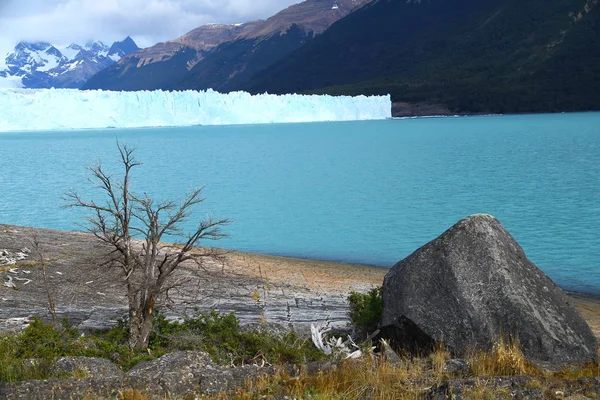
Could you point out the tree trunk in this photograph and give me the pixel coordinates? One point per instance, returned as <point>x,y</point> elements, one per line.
<point>140,325</point>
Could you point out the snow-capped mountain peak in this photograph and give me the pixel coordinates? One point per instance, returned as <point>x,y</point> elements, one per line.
<point>31,57</point>
<point>42,65</point>
<point>97,48</point>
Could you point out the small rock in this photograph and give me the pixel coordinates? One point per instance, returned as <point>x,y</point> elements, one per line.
<point>182,372</point>
<point>9,282</point>
<point>527,394</point>
<point>388,353</point>
<point>179,361</point>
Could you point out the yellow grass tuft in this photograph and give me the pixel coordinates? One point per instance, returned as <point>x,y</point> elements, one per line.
<point>132,394</point>
<point>588,370</point>
<point>505,358</point>
<point>256,296</point>
<point>438,360</point>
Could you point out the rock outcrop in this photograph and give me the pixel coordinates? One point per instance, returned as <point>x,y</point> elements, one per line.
<point>182,374</point>
<point>87,366</point>
<point>473,285</point>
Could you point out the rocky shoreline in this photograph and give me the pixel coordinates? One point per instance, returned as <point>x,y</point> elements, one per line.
<point>256,288</point>
<point>282,290</point>
<point>288,292</point>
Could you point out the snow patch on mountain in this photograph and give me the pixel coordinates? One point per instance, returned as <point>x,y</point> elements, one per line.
<point>70,51</point>
<point>46,64</point>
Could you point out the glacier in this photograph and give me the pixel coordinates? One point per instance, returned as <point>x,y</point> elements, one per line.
<point>65,109</point>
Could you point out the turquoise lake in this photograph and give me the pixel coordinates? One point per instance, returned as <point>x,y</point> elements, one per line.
<point>363,192</point>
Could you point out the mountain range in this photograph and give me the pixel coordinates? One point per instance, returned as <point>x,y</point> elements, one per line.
<point>223,56</point>
<point>465,56</point>
<point>43,65</point>
<point>432,56</point>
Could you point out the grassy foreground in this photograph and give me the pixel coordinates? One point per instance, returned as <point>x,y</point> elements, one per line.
<point>220,336</point>
<point>379,378</point>
<point>32,353</point>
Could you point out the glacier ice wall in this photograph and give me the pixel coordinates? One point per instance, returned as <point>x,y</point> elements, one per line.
<point>63,109</point>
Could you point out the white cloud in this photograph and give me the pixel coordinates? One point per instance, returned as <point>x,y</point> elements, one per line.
<point>147,21</point>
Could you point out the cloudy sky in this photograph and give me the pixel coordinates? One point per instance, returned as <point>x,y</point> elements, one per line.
<point>147,21</point>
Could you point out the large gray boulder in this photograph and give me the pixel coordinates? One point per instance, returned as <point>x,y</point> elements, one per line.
<point>474,284</point>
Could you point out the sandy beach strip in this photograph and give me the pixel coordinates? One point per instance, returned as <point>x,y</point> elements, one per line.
<point>326,276</point>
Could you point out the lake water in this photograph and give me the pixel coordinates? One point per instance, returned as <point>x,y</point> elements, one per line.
<point>363,192</point>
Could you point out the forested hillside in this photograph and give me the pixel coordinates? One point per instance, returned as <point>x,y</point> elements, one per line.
<point>469,55</point>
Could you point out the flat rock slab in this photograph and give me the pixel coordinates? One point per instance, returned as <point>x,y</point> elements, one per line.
<point>256,288</point>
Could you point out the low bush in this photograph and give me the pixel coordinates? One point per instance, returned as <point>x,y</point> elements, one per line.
<point>32,353</point>
<point>365,310</point>
<point>219,335</point>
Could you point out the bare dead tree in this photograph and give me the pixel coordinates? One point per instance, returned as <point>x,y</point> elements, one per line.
<point>133,227</point>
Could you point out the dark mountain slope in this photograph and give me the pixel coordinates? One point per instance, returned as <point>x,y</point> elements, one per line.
<point>223,56</point>
<point>135,73</point>
<point>155,67</point>
<point>124,47</point>
<point>472,56</point>
<point>233,63</point>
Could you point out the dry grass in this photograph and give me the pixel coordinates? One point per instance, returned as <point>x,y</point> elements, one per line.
<point>374,378</point>
<point>410,378</point>
<point>505,359</point>
<point>482,391</point>
<point>438,361</point>
<point>367,378</point>
<point>589,370</point>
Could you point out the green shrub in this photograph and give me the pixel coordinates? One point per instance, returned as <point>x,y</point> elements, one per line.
<point>32,353</point>
<point>219,335</point>
<point>288,348</point>
<point>42,341</point>
<point>365,310</point>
